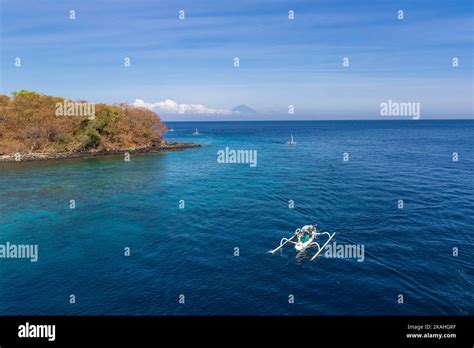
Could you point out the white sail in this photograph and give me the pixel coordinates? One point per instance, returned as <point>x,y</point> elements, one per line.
<point>291,141</point>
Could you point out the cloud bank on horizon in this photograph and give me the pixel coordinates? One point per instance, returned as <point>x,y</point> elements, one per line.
<point>171,109</point>
<point>169,106</point>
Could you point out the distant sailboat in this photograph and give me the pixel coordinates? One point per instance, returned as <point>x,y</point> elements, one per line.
<point>291,141</point>
<point>171,129</point>
<point>196,132</point>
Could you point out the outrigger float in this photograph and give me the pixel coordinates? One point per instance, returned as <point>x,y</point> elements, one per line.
<point>302,246</point>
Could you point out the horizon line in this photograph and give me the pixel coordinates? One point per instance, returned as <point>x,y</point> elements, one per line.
<point>326,120</point>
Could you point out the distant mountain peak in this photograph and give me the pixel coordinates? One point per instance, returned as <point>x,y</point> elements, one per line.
<point>243,109</point>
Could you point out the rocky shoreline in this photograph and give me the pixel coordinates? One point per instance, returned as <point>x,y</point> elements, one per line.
<point>37,156</point>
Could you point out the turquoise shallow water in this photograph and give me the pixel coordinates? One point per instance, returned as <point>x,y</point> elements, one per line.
<point>190,251</point>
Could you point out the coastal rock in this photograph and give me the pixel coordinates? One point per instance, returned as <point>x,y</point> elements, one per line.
<point>39,156</point>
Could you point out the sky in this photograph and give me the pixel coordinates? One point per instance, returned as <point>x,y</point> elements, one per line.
<point>187,64</point>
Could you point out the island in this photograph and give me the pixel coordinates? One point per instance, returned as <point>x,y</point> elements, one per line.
<point>35,127</point>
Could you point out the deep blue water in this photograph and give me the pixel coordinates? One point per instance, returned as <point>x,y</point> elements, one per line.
<point>191,251</point>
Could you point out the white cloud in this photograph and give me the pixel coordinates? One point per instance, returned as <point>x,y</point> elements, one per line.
<point>169,106</point>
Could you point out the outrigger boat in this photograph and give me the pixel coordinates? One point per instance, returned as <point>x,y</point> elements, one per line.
<point>301,246</point>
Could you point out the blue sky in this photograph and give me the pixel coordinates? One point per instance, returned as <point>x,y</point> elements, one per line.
<point>190,62</point>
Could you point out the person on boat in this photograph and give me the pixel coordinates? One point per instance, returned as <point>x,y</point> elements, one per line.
<point>299,235</point>
<point>308,233</point>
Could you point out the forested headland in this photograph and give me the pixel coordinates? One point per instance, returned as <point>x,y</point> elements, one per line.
<point>30,122</point>
<point>33,123</point>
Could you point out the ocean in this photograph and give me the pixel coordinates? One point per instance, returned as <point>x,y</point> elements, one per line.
<point>181,233</point>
